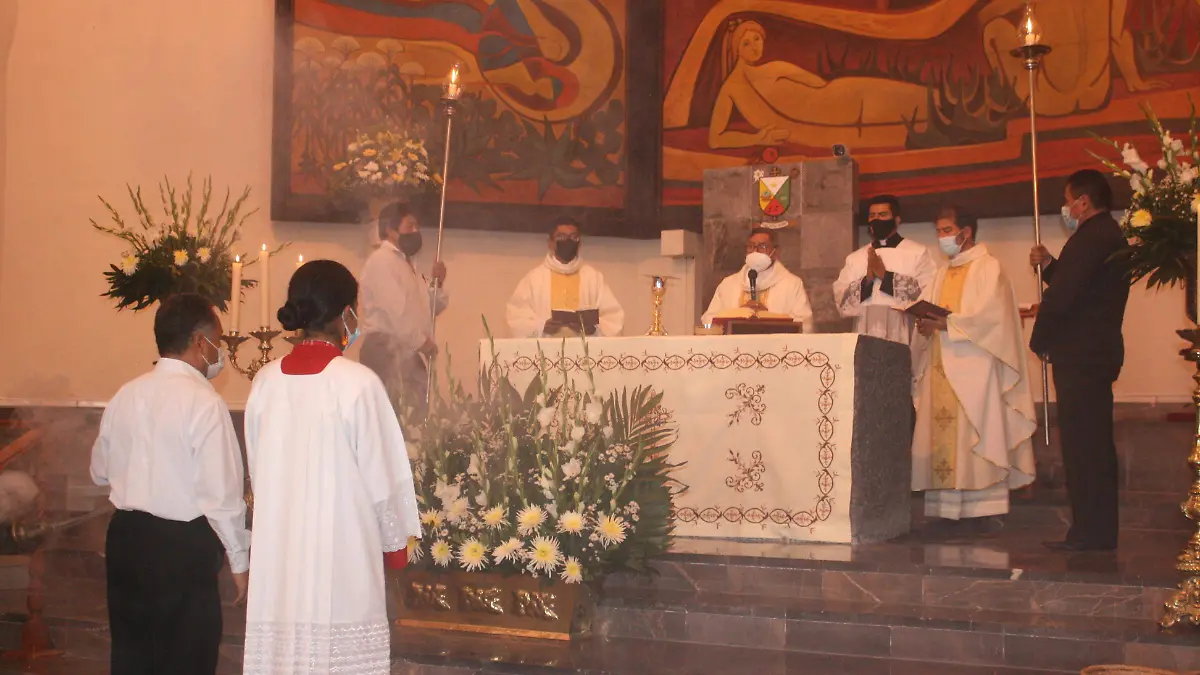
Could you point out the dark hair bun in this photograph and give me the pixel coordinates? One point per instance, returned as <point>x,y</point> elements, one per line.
<point>296,314</point>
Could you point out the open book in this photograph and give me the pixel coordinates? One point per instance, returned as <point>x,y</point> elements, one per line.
<point>924,310</point>
<point>585,320</point>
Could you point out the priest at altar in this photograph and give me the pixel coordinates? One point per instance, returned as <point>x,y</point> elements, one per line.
<point>563,295</point>
<point>762,288</point>
<point>975,413</point>
<point>889,272</point>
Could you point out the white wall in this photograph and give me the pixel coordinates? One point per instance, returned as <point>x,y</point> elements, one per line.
<point>104,92</point>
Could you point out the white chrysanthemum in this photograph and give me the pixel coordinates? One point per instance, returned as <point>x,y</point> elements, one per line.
<point>571,522</point>
<point>530,519</point>
<point>431,517</point>
<point>1141,218</point>
<point>441,553</point>
<point>204,254</point>
<point>495,517</point>
<point>371,167</point>
<point>181,258</point>
<point>509,550</point>
<point>129,264</point>
<point>415,552</point>
<point>571,469</point>
<point>572,571</point>
<point>458,509</point>
<point>472,555</point>
<point>611,530</point>
<point>543,555</point>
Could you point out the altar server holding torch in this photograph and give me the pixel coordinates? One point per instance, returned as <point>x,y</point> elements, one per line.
<point>333,492</point>
<point>775,290</point>
<point>975,413</point>
<point>891,271</point>
<point>564,295</point>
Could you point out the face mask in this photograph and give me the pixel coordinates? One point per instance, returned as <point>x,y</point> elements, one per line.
<point>1070,221</point>
<point>213,369</point>
<point>566,250</point>
<point>758,261</point>
<point>410,243</point>
<point>351,337</point>
<point>880,229</point>
<point>950,245</point>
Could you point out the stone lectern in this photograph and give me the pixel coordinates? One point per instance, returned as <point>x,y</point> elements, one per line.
<point>811,205</point>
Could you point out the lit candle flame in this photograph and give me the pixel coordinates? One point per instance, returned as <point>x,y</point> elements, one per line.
<point>300,258</point>
<point>237,258</point>
<point>1030,32</point>
<point>264,247</point>
<point>454,74</point>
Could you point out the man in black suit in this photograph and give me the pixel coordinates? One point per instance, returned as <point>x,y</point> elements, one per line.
<point>1078,330</point>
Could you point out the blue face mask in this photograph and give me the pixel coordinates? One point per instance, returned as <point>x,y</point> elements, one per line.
<point>351,337</point>
<point>1071,222</point>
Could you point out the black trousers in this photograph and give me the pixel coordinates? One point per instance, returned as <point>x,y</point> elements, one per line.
<point>1085,424</point>
<point>164,606</point>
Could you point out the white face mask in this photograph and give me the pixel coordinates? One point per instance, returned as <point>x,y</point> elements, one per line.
<point>214,369</point>
<point>950,245</point>
<point>758,261</point>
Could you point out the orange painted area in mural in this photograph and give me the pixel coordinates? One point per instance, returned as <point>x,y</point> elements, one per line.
<point>544,112</point>
<point>919,87</point>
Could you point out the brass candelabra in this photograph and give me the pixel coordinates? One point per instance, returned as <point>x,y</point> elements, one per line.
<point>234,340</point>
<point>1184,605</point>
<point>658,289</point>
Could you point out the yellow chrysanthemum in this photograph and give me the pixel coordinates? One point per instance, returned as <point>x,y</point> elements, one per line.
<point>494,517</point>
<point>181,258</point>
<point>611,530</point>
<point>431,518</point>
<point>415,552</point>
<point>472,555</point>
<point>1141,218</point>
<point>543,555</point>
<point>530,519</point>
<point>370,152</point>
<point>571,522</point>
<point>441,553</point>
<point>339,166</point>
<point>204,254</point>
<point>572,571</point>
<point>129,264</point>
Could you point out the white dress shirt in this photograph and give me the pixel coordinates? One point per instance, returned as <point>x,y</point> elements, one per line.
<point>395,298</point>
<point>167,447</point>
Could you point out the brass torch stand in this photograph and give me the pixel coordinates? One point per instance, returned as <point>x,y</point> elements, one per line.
<point>234,340</point>
<point>1184,605</point>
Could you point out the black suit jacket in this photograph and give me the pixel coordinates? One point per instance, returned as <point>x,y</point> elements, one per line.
<point>1083,307</point>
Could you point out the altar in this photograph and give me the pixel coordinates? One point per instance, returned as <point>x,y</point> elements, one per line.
<point>786,437</point>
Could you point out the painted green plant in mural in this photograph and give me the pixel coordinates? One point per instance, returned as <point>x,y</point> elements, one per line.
<point>337,94</point>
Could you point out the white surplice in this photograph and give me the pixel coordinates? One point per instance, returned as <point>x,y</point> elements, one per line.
<point>984,358</point>
<point>781,291</point>
<point>530,305</point>
<point>333,491</point>
<point>912,270</point>
<point>396,298</point>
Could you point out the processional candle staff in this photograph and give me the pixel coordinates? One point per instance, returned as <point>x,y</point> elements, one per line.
<point>1031,51</point>
<point>452,90</point>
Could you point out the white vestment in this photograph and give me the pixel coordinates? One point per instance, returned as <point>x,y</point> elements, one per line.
<point>781,291</point>
<point>912,270</point>
<point>984,360</point>
<point>531,303</point>
<point>333,491</point>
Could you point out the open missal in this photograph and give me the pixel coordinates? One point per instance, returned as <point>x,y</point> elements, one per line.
<point>924,310</point>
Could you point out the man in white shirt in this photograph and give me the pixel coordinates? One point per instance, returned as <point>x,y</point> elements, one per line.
<point>563,295</point>
<point>395,302</point>
<point>891,271</point>
<point>168,450</point>
<point>975,417</point>
<point>774,288</point>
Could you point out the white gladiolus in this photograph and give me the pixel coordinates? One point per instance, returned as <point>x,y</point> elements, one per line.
<point>1129,155</point>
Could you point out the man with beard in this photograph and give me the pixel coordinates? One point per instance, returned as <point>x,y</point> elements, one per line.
<point>564,295</point>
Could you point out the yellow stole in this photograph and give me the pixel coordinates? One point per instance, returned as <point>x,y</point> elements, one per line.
<point>943,399</point>
<point>745,299</point>
<point>564,291</point>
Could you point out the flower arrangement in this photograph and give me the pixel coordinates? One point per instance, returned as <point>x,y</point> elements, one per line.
<point>559,483</point>
<point>188,251</point>
<point>1161,220</point>
<point>384,164</point>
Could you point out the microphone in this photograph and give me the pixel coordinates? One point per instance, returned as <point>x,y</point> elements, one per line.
<point>753,276</point>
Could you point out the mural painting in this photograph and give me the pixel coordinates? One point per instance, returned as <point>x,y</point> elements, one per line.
<point>924,93</point>
<point>543,122</point>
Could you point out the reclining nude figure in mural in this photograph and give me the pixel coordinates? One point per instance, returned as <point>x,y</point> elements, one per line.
<point>1088,37</point>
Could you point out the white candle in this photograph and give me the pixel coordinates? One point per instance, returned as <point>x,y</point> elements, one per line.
<point>264,285</point>
<point>235,295</point>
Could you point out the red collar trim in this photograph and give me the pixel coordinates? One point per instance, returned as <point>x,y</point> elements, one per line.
<point>309,358</point>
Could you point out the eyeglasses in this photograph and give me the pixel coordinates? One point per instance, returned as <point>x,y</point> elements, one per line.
<point>762,247</point>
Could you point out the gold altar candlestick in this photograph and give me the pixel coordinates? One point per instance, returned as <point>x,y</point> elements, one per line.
<point>452,90</point>
<point>658,289</point>
<point>1031,52</point>
<point>1184,605</point>
<point>234,340</point>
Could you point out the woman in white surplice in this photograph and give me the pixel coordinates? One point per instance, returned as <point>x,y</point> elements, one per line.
<point>333,492</point>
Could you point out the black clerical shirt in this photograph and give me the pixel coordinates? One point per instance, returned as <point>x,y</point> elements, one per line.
<point>1079,321</point>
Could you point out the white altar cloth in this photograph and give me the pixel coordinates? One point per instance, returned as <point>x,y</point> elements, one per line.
<point>764,422</point>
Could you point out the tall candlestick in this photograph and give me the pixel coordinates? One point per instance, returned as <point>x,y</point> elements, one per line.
<point>264,259</point>
<point>235,295</point>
